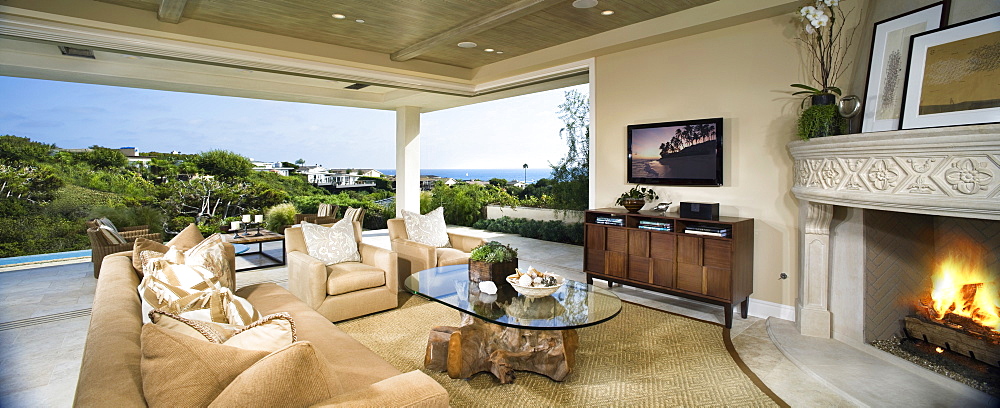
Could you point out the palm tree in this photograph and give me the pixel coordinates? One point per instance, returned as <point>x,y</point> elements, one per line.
<point>525,172</point>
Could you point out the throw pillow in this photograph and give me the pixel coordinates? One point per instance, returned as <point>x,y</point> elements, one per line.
<point>211,254</point>
<point>177,288</point>
<point>106,221</point>
<point>333,244</point>
<point>182,371</point>
<point>113,237</point>
<point>269,333</point>
<point>352,214</point>
<point>144,251</point>
<point>427,229</point>
<point>324,210</point>
<point>187,238</point>
<point>295,376</point>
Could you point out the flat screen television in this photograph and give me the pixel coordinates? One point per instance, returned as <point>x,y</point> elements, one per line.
<point>682,153</point>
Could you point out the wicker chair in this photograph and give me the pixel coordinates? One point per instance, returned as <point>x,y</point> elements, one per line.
<point>101,247</point>
<point>317,219</point>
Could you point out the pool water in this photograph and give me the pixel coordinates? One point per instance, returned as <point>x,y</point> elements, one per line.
<point>43,257</point>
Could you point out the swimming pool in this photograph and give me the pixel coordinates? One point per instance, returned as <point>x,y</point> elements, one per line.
<point>43,257</point>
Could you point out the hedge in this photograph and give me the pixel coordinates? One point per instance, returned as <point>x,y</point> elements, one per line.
<point>555,231</point>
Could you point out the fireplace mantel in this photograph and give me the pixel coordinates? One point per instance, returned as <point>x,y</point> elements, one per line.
<point>951,171</point>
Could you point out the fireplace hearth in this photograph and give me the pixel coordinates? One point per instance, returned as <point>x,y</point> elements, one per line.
<point>963,369</point>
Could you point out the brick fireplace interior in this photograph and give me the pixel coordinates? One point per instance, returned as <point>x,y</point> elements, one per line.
<point>901,250</point>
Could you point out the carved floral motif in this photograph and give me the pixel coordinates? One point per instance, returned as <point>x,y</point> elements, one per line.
<point>968,177</point>
<point>921,167</point>
<point>830,174</point>
<point>883,174</point>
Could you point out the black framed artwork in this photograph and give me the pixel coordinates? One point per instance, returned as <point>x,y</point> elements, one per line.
<point>681,153</point>
<point>887,63</point>
<point>953,76</point>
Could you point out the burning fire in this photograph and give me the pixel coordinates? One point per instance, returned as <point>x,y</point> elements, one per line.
<point>963,286</point>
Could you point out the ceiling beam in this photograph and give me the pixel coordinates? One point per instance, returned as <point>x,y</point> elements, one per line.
<point>477,25</point>
<point>170,11</point>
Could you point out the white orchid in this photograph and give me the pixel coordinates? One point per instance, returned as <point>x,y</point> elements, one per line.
<point>823,23</point>
<point>830,3</point>
<point>807,10</point>
<point>820,21</point>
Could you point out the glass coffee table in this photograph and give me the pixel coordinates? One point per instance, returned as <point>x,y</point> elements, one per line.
<point>507,331</point>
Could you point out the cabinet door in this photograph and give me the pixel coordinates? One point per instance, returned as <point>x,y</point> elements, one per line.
<point>717,283</point>
<point>690,278</point>
<point>662,246</point>
<point>638,268</point>
<point>718,253</point>
<point>638,243</point>
<point>689,250</point>
<point>595,236</point>
<point>663,272</point>
<point>617,240</point>
<point>615,263</point>
<point>594,260</point>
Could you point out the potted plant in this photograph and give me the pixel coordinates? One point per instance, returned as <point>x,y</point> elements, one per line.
<point>634,199</point>
<point>823,26</point>
<point>492,261</point>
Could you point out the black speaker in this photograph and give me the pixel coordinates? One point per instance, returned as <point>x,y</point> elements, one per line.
<point>700,211</point>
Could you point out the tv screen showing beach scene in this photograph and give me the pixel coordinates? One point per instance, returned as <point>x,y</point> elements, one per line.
<point>682,153</point>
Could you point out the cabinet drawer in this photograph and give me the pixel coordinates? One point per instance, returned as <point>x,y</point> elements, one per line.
<point>718,253</point>
<point>638,268</point>
<point>663,272</point>
<point>617,240</point>
<point>638,243</point>
<point>690,278</point>
<point>662,246</point>
<point>615,263</point>
<point>595,237</point>
<point>717,283</point>
<point>594,261</point>
<point>689,250</point>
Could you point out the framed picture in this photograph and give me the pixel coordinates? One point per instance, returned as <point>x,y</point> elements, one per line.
<point>681,153</point>
<point>953,77</point>
<point>887,64</point>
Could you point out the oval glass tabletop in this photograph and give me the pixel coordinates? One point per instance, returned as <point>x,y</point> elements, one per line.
<point>574,305</point>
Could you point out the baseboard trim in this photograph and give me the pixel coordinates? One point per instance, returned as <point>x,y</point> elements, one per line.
<point>764,309</point>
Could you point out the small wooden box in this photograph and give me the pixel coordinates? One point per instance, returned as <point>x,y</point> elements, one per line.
<point>485,271</point>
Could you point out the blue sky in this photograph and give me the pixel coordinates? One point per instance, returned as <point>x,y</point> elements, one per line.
<point>498,134</point>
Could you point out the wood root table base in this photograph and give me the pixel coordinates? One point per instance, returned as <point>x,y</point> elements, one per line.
<point>480,346</point>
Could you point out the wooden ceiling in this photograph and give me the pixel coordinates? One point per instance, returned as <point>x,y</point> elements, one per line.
<point>426,30</point>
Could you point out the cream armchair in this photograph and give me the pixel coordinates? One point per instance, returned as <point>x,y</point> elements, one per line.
<point>345,290</point>
<point>415,257</point>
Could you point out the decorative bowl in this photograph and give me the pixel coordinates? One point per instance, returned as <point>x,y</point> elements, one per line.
<point>633,205</point>
<point>535,291</point>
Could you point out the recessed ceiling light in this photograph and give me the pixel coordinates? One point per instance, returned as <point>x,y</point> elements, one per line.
<point>489,50</point>
<point>584,3</point>
<point>607,12</point>
<point>467,44</point>
<point>359,20</point>
<point>499,52</point>
<point>338,16</point>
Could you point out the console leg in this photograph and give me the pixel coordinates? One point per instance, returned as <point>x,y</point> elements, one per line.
<point>744,308</point>
<point>729,316</point>
<point>590,279</point>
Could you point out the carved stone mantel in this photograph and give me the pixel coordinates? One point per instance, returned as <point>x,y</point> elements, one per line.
<point>944,171</point>
<point>951,172</point>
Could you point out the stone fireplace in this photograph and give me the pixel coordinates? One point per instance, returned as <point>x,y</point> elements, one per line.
<point>876,209</point>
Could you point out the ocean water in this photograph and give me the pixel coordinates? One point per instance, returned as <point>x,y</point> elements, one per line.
<point>483,174</point>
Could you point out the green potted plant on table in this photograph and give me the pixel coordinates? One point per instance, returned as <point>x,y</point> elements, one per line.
<point>492,261</point>
<point>634,199</point>
<point>823,26</point>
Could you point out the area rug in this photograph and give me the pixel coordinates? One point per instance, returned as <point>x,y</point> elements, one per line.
<point>642,357</point>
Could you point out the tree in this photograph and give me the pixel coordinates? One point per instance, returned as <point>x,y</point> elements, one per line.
<point>572,174</point>
<point>525,172</point>
<point>104,158</point>
<point>224,164</point>
<point>15,149</point>
<point>300,162</point>
<point>499,182</point>
<point>28,183</point>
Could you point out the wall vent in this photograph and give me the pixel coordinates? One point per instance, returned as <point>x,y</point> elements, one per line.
<point>77,52</point>
<point>356,86</point>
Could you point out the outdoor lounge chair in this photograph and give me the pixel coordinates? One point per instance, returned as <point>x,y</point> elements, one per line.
<point>326,214</point>
<point>103,243</point>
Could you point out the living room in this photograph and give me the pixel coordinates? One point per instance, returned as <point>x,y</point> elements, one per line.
<point>724,59</point>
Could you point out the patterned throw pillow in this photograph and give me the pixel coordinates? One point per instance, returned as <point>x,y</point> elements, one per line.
<point>177,288</point>
<point>146,250</point>
<point>352,214</point>
<point>113,237</point>
<point>427,229</point>
<point>333,244</point>
<point>324,210</point>
<point>211,254</point>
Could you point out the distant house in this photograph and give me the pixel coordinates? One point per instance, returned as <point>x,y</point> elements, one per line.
<point>316,175</point>
<point>427,182</point>
<point>330,178</point>
<point>274,167</point>
<point>132,155</point>
<point>360,172</point>
<point>516,183</point>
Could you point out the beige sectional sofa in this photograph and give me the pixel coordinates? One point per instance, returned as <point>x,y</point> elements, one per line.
<point>110,372</point>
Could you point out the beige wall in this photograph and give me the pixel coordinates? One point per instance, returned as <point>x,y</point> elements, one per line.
<point>742,74</point>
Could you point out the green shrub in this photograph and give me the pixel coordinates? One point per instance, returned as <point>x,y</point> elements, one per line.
<point>555,231</point>
<point>41,234</point>
<point>493,252</point>
<point>132,216</point>
<point>279,216</point>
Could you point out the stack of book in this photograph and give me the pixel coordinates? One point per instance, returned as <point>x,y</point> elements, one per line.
<point>656,225</point>
<point>712,230</point>
<point>610,221</point>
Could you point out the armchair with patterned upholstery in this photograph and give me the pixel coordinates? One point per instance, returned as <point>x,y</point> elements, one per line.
<point>343,290</point>
<point>110,239</point>
<point>415,257</point>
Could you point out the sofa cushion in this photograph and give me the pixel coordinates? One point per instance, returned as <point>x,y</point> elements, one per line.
<point>182,371</point>
<point>187,239</point>
<point>294,376</point>
<point>428,229</point>
<point>352,214</point>
<point>269,333</point>
<point>351,276</point>
<point>451,256</point>
<point>333,244</point>
<point>325,210</point>
<point>146,250</point>
<point>110,235</point>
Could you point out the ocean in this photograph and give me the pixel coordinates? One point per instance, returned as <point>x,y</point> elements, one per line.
<point>482,174</point>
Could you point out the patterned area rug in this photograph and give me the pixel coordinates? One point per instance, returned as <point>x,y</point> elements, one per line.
<point>642,357</point>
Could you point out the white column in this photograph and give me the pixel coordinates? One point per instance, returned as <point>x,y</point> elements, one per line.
<point>813,308</point>
<point>407,159</point>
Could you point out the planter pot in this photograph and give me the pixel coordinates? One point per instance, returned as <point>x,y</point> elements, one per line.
<point>824,99</point>
<point>633,205</point>
<point>485,271</point>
